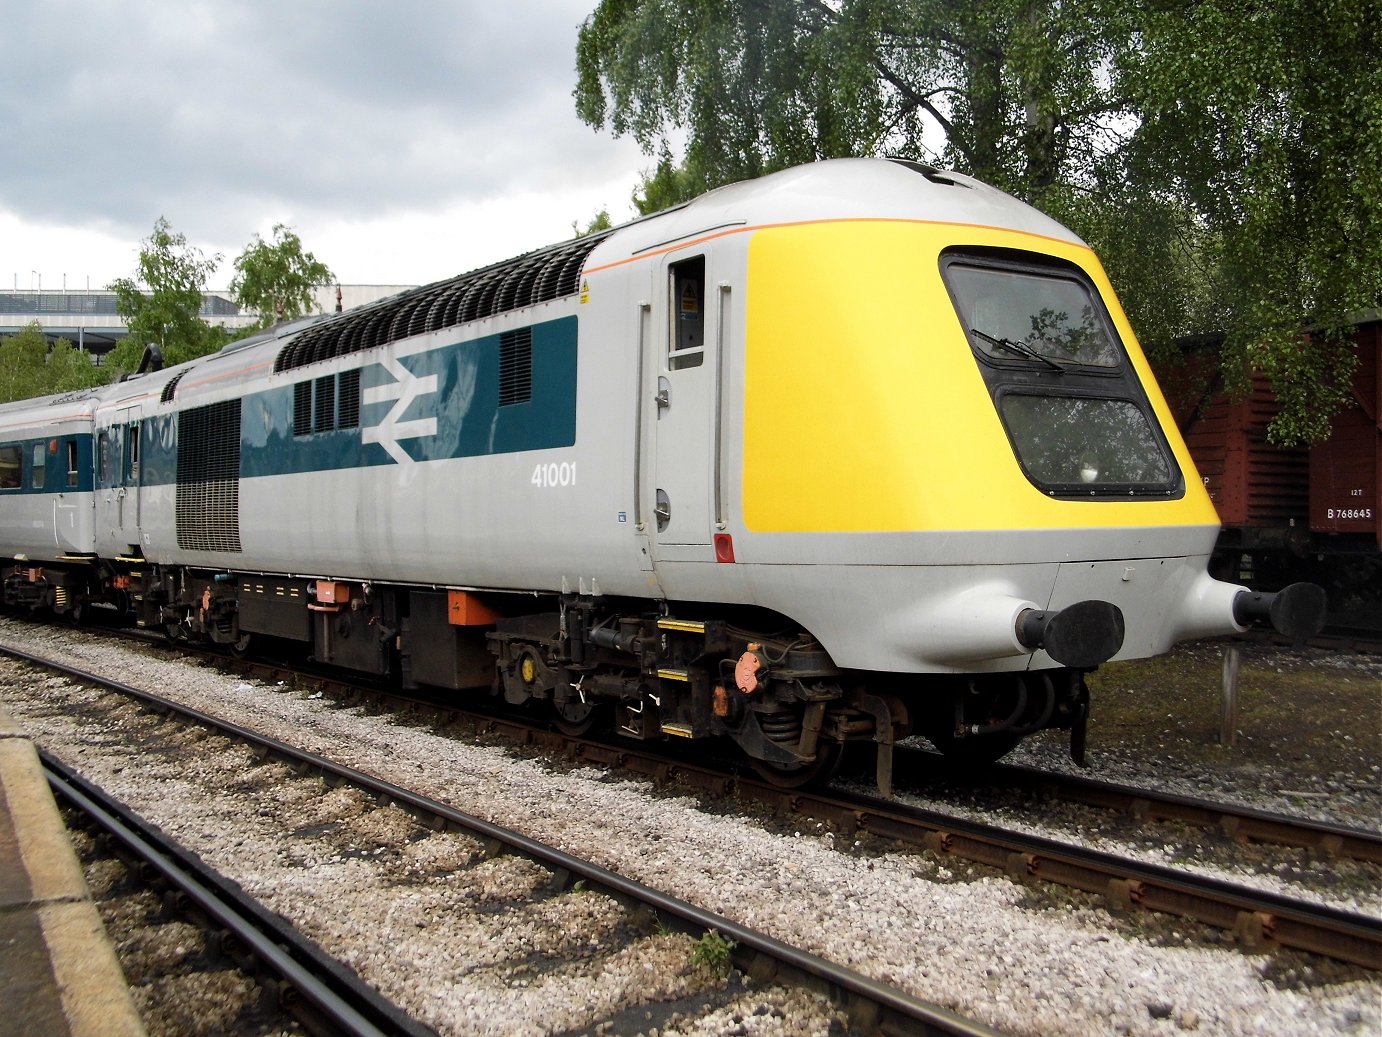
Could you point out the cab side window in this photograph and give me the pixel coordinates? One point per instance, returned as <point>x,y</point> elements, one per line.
<point>687,299</point>
<point>40,468</point>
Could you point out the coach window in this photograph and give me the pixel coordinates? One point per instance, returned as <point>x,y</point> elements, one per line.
<point>40,466</point>
<point>10,461</point>
<point>71,462</point>
<point>688,314</point>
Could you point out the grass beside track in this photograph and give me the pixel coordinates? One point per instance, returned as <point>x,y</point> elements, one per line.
<point>1303,716</point>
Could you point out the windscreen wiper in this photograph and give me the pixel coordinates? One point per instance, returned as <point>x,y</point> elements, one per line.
<point>1021,349</point>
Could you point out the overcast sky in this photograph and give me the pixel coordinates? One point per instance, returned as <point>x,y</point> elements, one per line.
<point>404,142</point>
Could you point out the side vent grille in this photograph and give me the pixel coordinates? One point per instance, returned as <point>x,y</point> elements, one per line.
<point>348,402</point>
<point>208,493</point>
<point>302,408</point>
<point>542,276</point>
<point>326,405</point>
<point>515,366</point>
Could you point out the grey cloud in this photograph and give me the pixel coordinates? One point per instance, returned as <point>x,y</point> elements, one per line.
<point>234,110</point>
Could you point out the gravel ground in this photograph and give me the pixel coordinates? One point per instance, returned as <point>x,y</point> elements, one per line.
<point>974,942</point>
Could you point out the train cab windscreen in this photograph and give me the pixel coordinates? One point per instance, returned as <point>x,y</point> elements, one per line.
<point>1068,397</point>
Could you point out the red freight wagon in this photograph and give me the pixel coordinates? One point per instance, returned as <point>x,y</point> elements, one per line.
<point>1345,490</point>
<point>1290,513</point>
<point>1261,490</point>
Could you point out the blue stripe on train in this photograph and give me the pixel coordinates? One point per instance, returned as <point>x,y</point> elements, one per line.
<point>431,406</point>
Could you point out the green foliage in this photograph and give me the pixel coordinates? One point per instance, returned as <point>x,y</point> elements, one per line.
<point>1224,157</point>
<point>1266,119</point>
<point>30,367</point>
<point>276,280</point>
<point>668,184</point>
<point>165,312</point>
<point>712,951</point>
<point>600,222</point>
<point>1015,91</point>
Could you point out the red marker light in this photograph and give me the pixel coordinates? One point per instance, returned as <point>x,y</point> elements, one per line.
<point>724,547</point>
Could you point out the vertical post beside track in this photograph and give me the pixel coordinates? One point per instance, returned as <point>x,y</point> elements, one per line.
<point>1228,714</point>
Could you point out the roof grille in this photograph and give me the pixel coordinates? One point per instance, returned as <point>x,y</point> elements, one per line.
<point>170,388</point>
<point>550,273</point>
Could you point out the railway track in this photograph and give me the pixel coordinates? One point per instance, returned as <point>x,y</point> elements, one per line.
<point>871,1006</point>
<point>914,769</point>
<point>1235,821</point>
<point>1257,919</point>
<point>305,984</point>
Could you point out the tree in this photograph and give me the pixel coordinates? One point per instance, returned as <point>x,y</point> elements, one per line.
<point>70,368</point>
<point>1014,91</point>
<point>1196,144</point>
<point>166,315</point>
<point>22,359</point>
<point>667,185</point>
<point>276,280</point>
<point>600,222</point>
<point>30,367</point>
<point>1266,121</point>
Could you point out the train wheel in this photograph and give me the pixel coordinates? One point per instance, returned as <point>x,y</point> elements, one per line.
<point>575,718</point>
<point>796,776</point>
<point>241,648</point>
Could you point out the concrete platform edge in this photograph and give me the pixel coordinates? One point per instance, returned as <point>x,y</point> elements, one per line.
<point>94,994</point>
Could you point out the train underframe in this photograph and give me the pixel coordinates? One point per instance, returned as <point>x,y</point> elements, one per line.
<point>66,588</point>
<point>624,665</point>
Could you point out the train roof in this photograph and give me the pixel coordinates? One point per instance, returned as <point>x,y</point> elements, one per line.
<point>860,188</point>
<point>837,189</point>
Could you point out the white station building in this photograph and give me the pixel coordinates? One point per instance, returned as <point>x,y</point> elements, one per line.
<point>88,319</point>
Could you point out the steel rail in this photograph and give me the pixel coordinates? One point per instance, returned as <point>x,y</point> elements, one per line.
<point>1238,822</point>
<point>873,1006</point>
<point>1244,823</point>
<point>1259,918</point>
<point>310,985</point>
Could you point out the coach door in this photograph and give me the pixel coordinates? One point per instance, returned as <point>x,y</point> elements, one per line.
<point>117,482</point>
<point>686,400</point>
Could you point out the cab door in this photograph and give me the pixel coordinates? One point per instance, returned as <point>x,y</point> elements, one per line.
<point>72,506</point>
<point>118,480</point>
<point>687,401</point>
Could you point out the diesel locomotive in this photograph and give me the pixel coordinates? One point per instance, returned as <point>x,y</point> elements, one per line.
<point>853,451</point>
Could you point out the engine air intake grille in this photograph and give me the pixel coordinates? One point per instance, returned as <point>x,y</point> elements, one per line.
<point>208,494</point>
<point>551,273</point>
<point>516,366</point>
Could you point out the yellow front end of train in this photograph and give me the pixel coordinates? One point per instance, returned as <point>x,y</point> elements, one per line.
<point>861,372</point>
